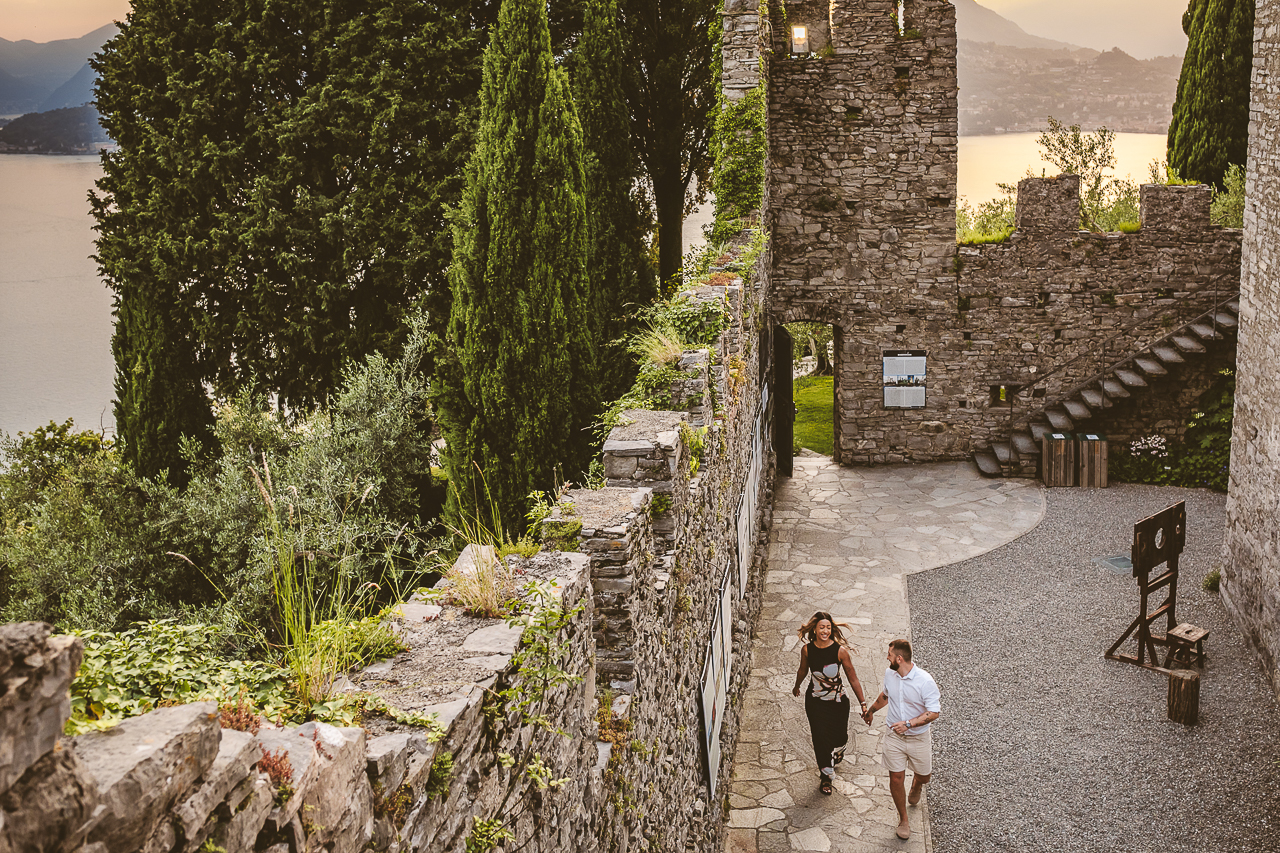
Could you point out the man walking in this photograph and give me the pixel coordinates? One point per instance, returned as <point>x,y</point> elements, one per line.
<point>914,702</point>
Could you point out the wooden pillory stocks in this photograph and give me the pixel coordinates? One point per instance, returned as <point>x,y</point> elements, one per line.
<point>1157,541</point>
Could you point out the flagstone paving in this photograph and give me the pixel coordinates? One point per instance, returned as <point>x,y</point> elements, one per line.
<point>843,540</point>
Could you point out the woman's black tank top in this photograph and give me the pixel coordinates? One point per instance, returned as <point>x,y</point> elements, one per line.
<point>824,672</point>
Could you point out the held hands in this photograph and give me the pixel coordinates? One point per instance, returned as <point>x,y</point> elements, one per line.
<point>867,716</point>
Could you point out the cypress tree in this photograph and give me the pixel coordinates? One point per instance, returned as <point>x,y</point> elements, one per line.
<point>277,201</point>
<point>515,388</point>
<point>622,275</point>
<point>1210,126</point>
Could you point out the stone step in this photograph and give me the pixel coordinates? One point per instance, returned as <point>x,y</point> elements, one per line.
<point>1205,331</point>
<point>1234,306</point>
<point>987,464</point>
<point>1077,410</point>
<point>1039,431</point>
<point>1059,418</point>
<point>1130,379</point>
<point>1113,389</point>
<point>1095,399</point>
<point>1227,320</point>
<point>1186,343</point>
<point>1150,366</point>
<point>1025,444</point>
<point>1002,451</point>
<point>1167,354</point>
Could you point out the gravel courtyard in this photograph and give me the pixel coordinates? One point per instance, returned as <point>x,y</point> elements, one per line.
<point>1044,745</point>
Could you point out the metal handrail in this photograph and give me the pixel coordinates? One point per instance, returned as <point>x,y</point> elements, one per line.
<point>1211,313</point>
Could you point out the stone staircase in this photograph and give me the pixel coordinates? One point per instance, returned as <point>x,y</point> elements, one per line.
<point>1086,404</point>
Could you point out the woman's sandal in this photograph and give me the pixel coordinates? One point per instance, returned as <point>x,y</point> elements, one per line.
<point>825,785</point>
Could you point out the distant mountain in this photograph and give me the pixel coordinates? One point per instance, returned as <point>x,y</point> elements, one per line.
<point>1141,28</point>
<point>66,131</point>
<point>1011,89</point>
<point>76,92</point>
<point>30,71</point>
<point>980,24</point>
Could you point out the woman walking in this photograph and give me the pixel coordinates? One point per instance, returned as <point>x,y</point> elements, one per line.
<point>821,658</point>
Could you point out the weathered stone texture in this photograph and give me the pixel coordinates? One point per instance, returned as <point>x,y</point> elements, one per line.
<point>862,196</point>
<point>1049,204</point>
<point>35,676</point>
<point>1251,575</point>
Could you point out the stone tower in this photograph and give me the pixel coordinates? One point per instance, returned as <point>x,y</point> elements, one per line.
<point>862,193</point>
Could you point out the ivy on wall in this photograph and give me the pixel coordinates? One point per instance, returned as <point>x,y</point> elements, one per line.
<point>740,147</point>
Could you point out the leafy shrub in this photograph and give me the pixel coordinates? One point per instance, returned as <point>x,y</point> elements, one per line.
<point>1212,581</point>
<point>164,663</point>
<point>1201,459</point>
<point>1227,207</point>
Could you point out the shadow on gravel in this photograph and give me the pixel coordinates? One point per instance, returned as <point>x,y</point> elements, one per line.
<point>1046,746</point>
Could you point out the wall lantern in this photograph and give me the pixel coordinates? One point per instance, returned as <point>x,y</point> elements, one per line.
<point>799,40</point>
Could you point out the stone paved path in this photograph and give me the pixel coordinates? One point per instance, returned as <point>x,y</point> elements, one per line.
<point>843,539</point>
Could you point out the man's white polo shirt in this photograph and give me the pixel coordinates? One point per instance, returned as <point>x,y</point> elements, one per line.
<point>911,696</point>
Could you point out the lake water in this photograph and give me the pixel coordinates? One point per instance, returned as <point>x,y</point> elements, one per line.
<point>55,313</point>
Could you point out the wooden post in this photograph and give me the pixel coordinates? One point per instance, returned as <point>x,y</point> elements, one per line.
<point>1184,696</point>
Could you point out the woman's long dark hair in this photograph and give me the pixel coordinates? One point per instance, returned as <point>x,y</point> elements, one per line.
<point>806,631</point>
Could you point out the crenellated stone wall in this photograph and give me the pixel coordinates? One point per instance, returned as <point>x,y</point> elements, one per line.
<point>1251,572</point>
<point>862,170</point>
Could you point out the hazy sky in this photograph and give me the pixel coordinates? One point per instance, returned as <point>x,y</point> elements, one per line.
<point>47,20</point>
<point>1143,28</point>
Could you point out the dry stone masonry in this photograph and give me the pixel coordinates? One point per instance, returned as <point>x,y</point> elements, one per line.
<point>642,572</point>
<point>1251,576</point>
<point>862,172</point>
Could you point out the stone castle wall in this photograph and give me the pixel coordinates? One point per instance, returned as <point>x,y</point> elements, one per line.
<point>1053,306</point>
<point>1251,574</point>
<point>862,170</point>
<point>624,735</point>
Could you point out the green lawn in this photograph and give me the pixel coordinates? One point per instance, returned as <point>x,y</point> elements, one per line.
<point>814,400</point>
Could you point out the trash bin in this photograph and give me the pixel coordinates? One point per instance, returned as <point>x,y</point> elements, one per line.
<point>1091,460</point>
<point>1058,459</point>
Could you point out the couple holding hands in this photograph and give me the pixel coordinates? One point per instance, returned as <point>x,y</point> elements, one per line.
<point>909,692</point>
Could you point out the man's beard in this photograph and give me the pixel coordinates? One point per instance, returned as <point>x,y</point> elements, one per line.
<point>893,666</point>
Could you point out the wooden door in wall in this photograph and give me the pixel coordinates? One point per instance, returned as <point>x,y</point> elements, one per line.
<point>784,407</point>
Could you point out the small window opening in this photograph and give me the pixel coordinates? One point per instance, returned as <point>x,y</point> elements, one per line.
<point>968,336</point>
<point>1002,395</point>
<point>1057,334</point>
<point>902,72</point>
<point>1042,299</point>
<point>1038,393</point>
<point>899,329</point>
<point>964,404</point>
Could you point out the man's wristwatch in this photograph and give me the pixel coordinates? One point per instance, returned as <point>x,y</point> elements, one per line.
<point>908,722</point>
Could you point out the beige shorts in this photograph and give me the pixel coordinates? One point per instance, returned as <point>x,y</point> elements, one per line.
<point>914,751</point>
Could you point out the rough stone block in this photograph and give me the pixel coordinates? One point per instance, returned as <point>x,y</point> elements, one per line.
<point>238,752</point>
<point>1049,204</point>
<point>1177,208</point>
<point>35,677</point>
<point>144,766</point>
<point>338,808</point>
<point>304,761</point>
<point>45,811</point>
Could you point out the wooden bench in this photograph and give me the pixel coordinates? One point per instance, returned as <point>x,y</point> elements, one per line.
<point>1186,645</point>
